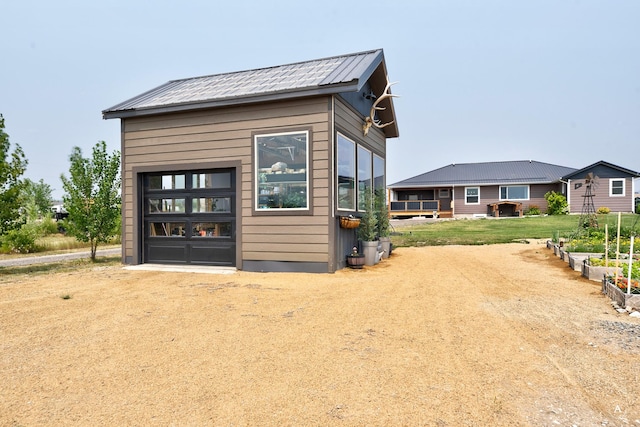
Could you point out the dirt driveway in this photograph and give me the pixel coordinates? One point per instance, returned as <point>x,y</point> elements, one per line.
<point>502,335</point>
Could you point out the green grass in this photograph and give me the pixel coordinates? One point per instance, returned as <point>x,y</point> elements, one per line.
<point>504,230</point>
<point>6,273</point>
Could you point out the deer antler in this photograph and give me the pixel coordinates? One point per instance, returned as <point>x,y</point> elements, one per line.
<point>370,120</point>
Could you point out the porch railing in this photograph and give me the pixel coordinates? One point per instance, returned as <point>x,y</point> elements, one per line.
<point>426,206</point>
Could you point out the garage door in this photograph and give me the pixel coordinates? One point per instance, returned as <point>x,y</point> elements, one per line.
<point>190,218</point>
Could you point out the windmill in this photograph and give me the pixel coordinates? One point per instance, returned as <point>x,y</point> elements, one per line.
<point>588,216</point>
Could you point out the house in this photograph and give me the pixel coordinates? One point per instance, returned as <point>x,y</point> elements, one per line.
<point>612,187</point>
<point>477,189</point>
<point>508,189</point>
<point>253,169</point>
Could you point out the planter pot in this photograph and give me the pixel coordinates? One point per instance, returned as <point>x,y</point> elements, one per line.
<point>355,261</point>
<point>370,250</point>
<point>385,242</point>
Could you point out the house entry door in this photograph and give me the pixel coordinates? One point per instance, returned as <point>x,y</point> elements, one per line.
<point>189,217</point>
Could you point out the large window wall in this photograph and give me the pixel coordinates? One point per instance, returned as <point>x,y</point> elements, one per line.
<point>358,171</point>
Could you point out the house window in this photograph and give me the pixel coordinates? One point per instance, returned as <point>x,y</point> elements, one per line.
<point>514,192</point>
<point>281,173</point>
<point>378,173</point>
<point>616,187</point>
<point>443,193</point>
<point>346,170</point>
<point>472,195</point>
<point>365,175</point>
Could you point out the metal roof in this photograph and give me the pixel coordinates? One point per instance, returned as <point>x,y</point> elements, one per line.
<point>579,174</point>
<point>321,76</point>
<point>490,173</point>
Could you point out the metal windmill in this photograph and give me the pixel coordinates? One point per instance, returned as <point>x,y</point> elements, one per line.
<point>588,216</point>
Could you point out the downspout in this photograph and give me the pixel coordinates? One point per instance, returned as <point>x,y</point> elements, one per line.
<point>567,183</point>
<point>453,199</point>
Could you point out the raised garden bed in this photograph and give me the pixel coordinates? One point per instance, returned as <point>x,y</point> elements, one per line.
<point>597,273</point>
<point>620,296</point>
<point>576,259</point>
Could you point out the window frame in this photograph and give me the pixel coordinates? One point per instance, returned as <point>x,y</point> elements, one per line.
<point>624,187</point>
<point>362,186</point>
<point>354,170</point>
<point>443,193</point>
<point>256,174</point>
<point>466,195</point>
<point>528,187</point>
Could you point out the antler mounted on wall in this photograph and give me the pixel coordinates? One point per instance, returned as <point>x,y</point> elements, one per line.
<point>371,119</point>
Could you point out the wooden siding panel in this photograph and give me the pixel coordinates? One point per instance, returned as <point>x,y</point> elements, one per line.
<point>288,256</point>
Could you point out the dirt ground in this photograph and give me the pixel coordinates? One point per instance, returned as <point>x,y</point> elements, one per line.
<point>503,335</point>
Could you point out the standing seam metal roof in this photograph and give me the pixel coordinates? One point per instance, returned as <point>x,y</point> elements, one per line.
<point>513,172</point>
<point>334,71</point>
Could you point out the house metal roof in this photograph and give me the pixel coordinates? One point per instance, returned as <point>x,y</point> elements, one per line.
<point>579,174</point>
<point>490,173</point>
<point>346,73</point>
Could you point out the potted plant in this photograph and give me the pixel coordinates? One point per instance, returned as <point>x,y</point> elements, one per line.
<point>355,259</point>
<point>368,230</point>
<point>382,213</point>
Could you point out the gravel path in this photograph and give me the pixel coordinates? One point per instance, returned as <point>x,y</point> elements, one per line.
<point>500,335</point>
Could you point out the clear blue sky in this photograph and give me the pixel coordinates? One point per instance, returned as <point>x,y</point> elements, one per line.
<point>556,81</point>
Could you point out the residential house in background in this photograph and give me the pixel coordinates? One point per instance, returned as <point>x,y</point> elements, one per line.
<point>509,188</point>
<point>254,169</point>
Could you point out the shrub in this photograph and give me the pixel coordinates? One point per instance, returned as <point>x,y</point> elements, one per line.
<point>533,210</point>
<point>22,240</point>
<point>603,210</point>
<point>556,203</point>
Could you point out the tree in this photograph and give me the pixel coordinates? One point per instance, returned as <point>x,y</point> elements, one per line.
<point>12,166</point>
<point>92,196</point>
<point>37,199</point>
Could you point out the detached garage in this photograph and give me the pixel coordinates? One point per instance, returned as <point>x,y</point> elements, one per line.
<point>253,169</point>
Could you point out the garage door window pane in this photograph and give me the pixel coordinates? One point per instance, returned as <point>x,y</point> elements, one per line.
<point>211,229</point>
<point>166,205</point>
<point>211,204</point>
<point>166,182</point>
<point>167,229</point>
<point>212,180</point>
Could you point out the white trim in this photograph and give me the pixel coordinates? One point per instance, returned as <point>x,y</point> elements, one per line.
<point>466,195</point>
<point>624,185</point>
<point>511,198</point>
<point>355,173</point>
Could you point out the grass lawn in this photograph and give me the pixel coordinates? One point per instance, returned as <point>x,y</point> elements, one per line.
<point>504,230</point>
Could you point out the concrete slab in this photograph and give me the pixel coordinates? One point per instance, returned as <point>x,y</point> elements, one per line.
<point>182,268</point>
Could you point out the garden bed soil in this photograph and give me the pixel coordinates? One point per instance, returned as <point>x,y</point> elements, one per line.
<point>501,335</point>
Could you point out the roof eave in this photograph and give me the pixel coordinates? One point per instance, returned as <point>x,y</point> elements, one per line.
<point>231,101</point>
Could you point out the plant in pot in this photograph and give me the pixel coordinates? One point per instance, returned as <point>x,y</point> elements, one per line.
<point>355,259</point>
<point>368,230</point>
<point>382,217</point>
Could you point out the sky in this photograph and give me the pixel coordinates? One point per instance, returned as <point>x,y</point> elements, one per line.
<point>557,81</point>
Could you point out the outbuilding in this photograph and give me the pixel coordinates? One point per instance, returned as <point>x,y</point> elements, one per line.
<point>254,169</point>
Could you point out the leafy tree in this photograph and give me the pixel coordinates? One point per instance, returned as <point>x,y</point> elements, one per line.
<point>12,166</point>
<point>92,196</point>
<point>556,203</point>
<point>37,199</point>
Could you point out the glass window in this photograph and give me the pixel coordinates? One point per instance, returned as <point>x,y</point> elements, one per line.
<point>211,229</point>
<point>378,173</point>
<point>616,187</point>
<point>211,204</point>
<point>282,163</point>
<point>472,195</point>
<point>364,175</point>
<point>166,182</point>
<point>211,180</point>
<point>443,193</point>
<point>514,192</point>
<point>346,173</point>
<point>167,229</point>
<point>166,205</point>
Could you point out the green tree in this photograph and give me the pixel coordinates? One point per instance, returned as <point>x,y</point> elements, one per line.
<point>37,199</point>
<point>92,196</point>
<point>12,166</point>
